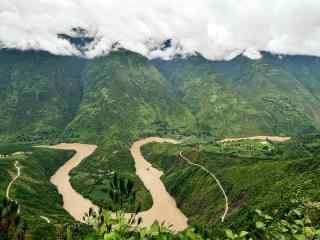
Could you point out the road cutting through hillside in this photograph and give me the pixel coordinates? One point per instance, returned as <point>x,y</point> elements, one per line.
<point>164,207</point>
<point>226,209</point>
<point>45,219</point>
<point>13,180</point>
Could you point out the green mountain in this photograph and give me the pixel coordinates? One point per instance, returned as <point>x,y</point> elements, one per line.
<point>125,98</point>
<point>116,99</point>
<point>248,97</point>
<point>45,96</point>
<point>39,94</point>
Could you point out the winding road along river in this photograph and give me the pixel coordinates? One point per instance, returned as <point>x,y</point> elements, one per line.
<point>164,207</point>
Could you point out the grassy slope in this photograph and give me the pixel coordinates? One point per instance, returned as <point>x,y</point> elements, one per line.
<point>253,175</point>
<point>33,190</point>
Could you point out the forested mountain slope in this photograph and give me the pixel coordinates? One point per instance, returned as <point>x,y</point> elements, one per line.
<point>254,175</point>
<point>125,95</point>
<point>39,94</point>
<point>43,95</point>
<point>116,99</point>
<point>274,95</point>
<point>125,98</point>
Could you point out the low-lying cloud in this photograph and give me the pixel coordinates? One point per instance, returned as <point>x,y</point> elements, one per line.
<point>216,29</point>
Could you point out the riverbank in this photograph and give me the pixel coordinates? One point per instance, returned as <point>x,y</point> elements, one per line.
<point>164,208</point>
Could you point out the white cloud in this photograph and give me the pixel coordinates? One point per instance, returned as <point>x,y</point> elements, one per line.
<point>216,29</point>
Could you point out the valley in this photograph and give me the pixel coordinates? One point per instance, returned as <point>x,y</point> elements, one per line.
<point>278,170</point>
<point>159,120</point>
<point>247,137</point>
<point>73,202</point>
<point>38,199</point>
<point>163,209</point>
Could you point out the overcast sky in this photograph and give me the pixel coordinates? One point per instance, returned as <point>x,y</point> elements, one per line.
<point>218,29</point>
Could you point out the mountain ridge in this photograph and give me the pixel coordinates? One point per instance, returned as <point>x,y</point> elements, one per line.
<point>114,100</point>
<point>220,93</point>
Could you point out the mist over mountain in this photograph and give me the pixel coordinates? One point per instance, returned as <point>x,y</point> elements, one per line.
<point>215,29</point>
<point>169,119</point>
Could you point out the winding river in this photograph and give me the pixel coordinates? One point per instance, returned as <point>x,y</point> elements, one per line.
<point>263,138</point>
<point>73,202</point>
<point>164,208</point>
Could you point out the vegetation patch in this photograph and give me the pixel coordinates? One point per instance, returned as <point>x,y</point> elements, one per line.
<point>33,190</point>
<point>254,175</point>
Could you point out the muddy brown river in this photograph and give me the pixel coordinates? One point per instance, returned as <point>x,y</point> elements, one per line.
<point>164,208</point>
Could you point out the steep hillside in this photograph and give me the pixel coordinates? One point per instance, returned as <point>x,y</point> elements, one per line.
<point>109,101</point>
<point>32,190</point>
<point>254,175</point>
<point>113,100</point>
<point>248,97</point>
<point>39,94</point>
<point>125,98</point>
<point>42,95</point>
